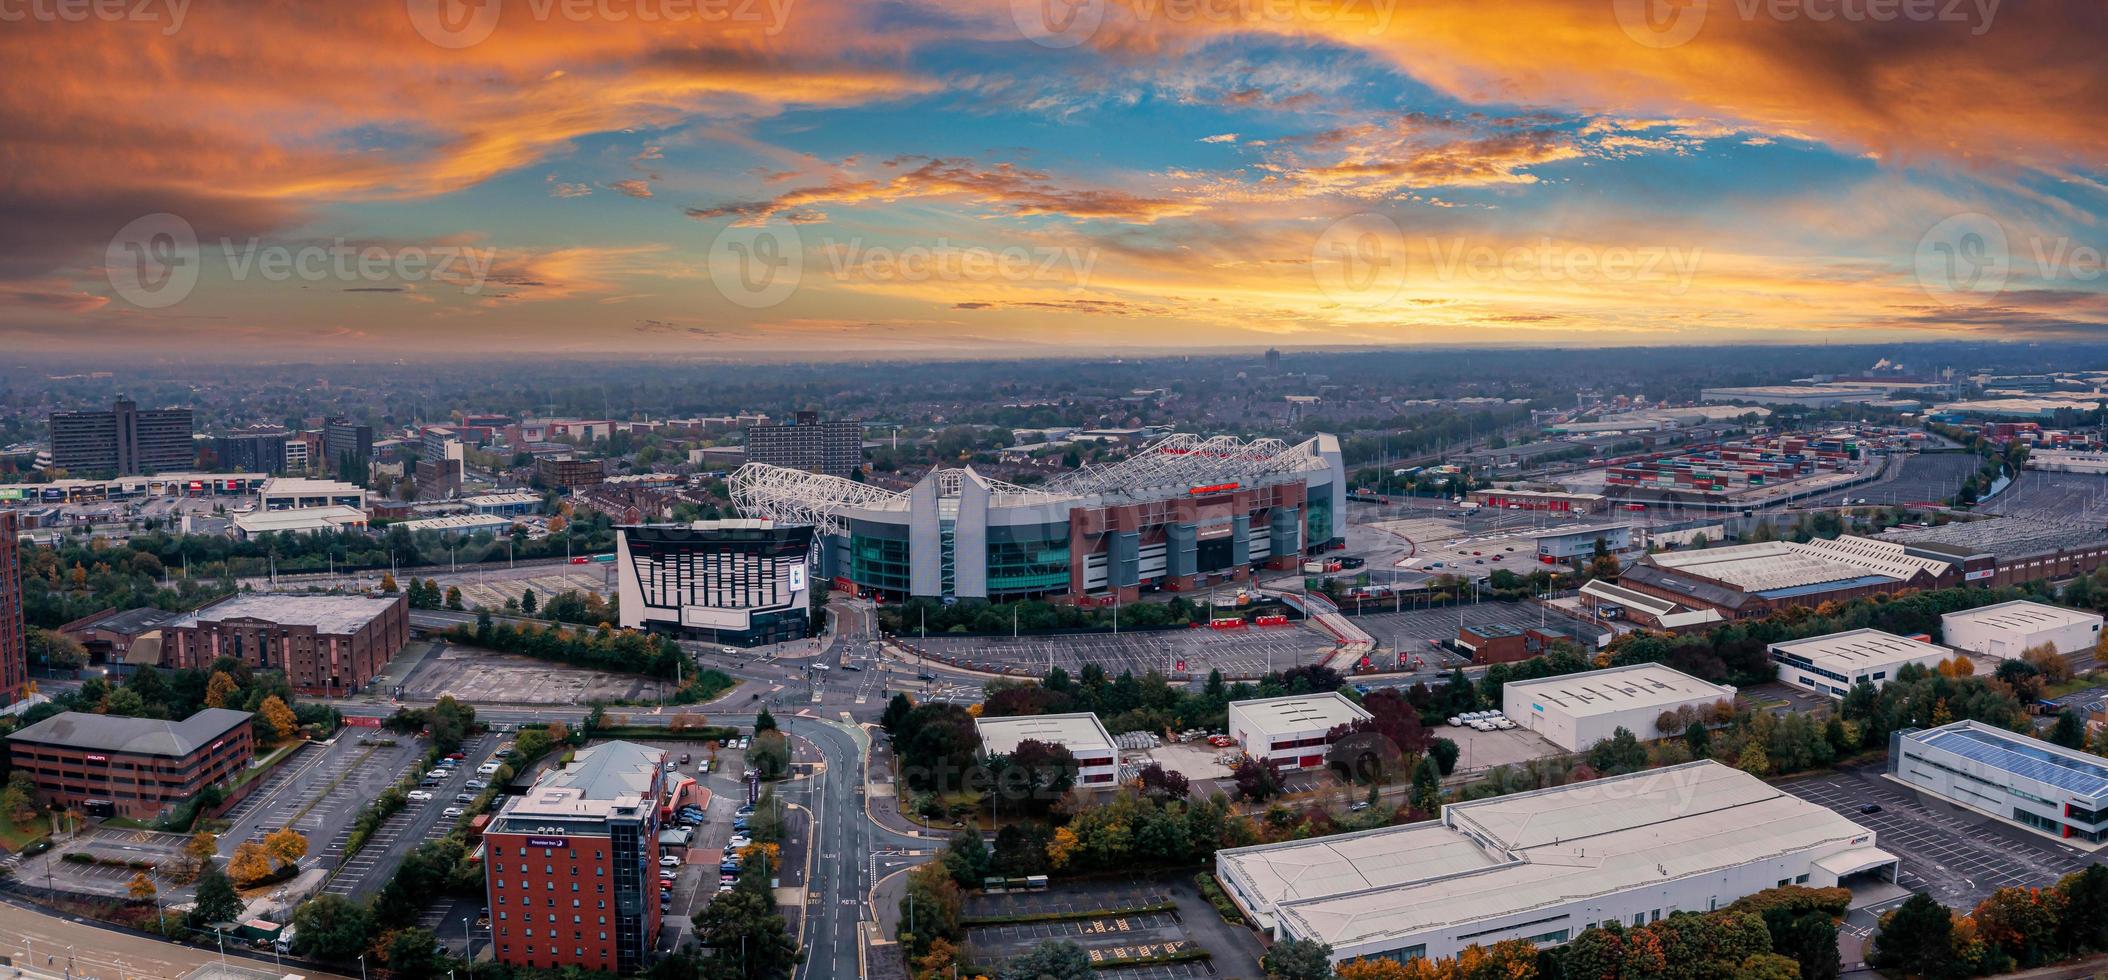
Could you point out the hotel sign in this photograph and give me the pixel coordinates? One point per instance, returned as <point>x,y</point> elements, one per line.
<point>98,758</point>
<point>548,842</point>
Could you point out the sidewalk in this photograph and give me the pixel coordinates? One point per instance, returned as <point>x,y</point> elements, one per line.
<point>882,795</point>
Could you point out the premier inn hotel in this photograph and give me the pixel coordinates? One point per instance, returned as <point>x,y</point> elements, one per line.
<point>141,768</point>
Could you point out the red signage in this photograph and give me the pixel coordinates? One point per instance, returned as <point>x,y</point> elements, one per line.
<point>1214,488</point>
<point>360,721</point>
<point>98,758</point>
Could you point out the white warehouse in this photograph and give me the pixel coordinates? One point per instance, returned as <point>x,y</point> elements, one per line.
<point>1575,711</point>
<point>1291,730</point>
<point>1097,761</point>
<point>1546,865</point>
<point>2007,629</point>
<point>1834,662</point>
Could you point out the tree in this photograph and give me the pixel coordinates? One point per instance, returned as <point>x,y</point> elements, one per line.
<point>331,927</point>
<point>141,888</point>
<point>967,858</point>
<point>285,846</point>
<point>1445,753</point>
<point>279,717</point>
<point>1768,966</point>
<point>1298,959</point>
<point>770,753</point>
<point>896,711</point>
<point>1699,739</point>
<point>2084,925</point>
<point>1427,786</point>
<point>1754,760</point>
<point>414,954</point>
<point>764,722</point>
<point>453,597</point>
<point>196,855</point>
<point>1257,780</point>
<point>220,689</point>
<point>388,586</point>
<point>2069,730</point>
<point>1619,754</point>
<point>250,864</point>
<point>18,802</point>
<point>527,601</point>
<point>1050,960</point>
<point>1916,938</point>
<point>2021,923</point>
<point>216,899</point>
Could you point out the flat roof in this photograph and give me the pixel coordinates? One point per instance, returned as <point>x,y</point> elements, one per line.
<point>1301,712</point>
<point>304,518</point>
<point>500,499</point>
<point>1556,846</point>
<point>326,613</point>
<point>457,522</point>
<point>2020,755</point>
<point>2021,614</point>
<point>1276,874</point>
<point>1860,649</point>
<point>302,485</point>
<point>1079,729</point>
<point>1764,566</point>
<point>145,736</point>
<point>1597,692</point>
<point>2006,537</point>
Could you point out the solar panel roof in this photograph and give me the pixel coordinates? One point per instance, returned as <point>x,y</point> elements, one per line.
<point>2021,756</point>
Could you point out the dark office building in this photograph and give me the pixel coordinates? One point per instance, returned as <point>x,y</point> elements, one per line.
<point>138,768</point>
<point>835,448</point>
<point>123,441</point>
<point>254,450</point>
<point>344,439</point>
<point>14,645</point>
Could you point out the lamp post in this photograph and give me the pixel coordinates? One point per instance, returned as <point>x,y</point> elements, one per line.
<point>468,948</point>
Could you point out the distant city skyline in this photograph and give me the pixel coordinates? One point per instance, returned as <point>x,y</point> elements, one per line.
<point>828,178</point>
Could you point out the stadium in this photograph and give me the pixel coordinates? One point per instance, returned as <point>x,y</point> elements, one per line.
<point>1183,513</point>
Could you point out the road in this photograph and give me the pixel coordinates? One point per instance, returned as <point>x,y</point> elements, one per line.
<point>64,945</point>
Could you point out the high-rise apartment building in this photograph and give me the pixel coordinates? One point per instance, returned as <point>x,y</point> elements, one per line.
<point>834,447</point>
<point>124,441</point>
<point>14,641</point>
<point>345,444</point>
<point>258,449</point>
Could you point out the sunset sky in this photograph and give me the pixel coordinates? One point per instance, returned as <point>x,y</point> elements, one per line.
<point>828,177</point>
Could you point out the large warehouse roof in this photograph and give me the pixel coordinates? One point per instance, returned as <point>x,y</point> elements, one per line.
<point>1081,729</point>
<point>1301,712</point>
<point>1275,874</point>
<point>2022,615</point>
<point>1855,650</point>
<point>326,613</point>
<point>1560,845</point>
<point>1762,567</point>
<point>1597,692</point>
<point>2005,537</point>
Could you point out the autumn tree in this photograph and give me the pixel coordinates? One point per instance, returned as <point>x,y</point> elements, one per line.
<point>141,888</point>
<point>250,864</point>
<point>220,689</point>
<point>196,855</point>
<point>280,717</point>
<point>285,846</point>
<point>388,585</point>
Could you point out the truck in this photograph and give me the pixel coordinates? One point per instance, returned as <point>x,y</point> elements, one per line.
<point>1313,568</point>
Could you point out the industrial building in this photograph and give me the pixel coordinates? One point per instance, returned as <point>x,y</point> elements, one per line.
<point>457,525</point>
<point>137,768</point>
<point>1291,731</point>
<point>1555,501</point>
<point>589,829</point>
<point>1181,514</point>
<point>1543,866</point>
<point>1835,662</point>
<point>1805,396</point>
<point>1097,760</point>
<point>834,447</point>
<point>1499,643</point>
<point>1609,600</point>
<point>327,645</point>
<point>2004,551</point>
<point>2007,629</point>
<point>1750,581</point>
<point>743,582</point>
<point>508,504</point>
<point>1567,544</point>
<point>294,493</point>
<point>306,520</point>
<point>2025,781</point>
<point>123,441</point>
<point>1575,711</point>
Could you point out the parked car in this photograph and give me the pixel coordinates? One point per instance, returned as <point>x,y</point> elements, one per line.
<point>419,796</point>
<point>457,756</point>
<point>464,797</point>
<point>1870,808</point>
<point>452,812</point>
<point>668,875</point>
<point>438,774</point>
<point>684,758</point>
<point>476,784</point>
<point>669,861</point>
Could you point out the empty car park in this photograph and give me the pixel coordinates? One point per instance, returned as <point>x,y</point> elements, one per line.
<point>1240,654</point>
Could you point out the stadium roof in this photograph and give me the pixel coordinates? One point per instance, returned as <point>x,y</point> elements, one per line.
<point>1179,462</point>
<point>1596,692</point>
<point>1079,729</point>
<point>1551,847</point>
<point>1301,712</point>
<point>2021,755</point>
<point>326,613</point>
<point>143,736</point>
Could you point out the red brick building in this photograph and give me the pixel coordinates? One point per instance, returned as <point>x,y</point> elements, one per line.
<point>14,641</point>
<point>140,767</point>
<point>326,644</point>
<point>572,867</point>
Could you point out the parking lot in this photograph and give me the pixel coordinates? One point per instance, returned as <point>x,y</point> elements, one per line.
<point>109,844</point>
<point>1920,478</point>
<point>1192,926</point>
<point>485,589</point>
<point>417,822</point>
<point>1418,631</point>
<point>320,792</point>
<point>485,677</point>
<point>1240,654</point>
<point>2053,496</point>
<point>1957,856</point>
